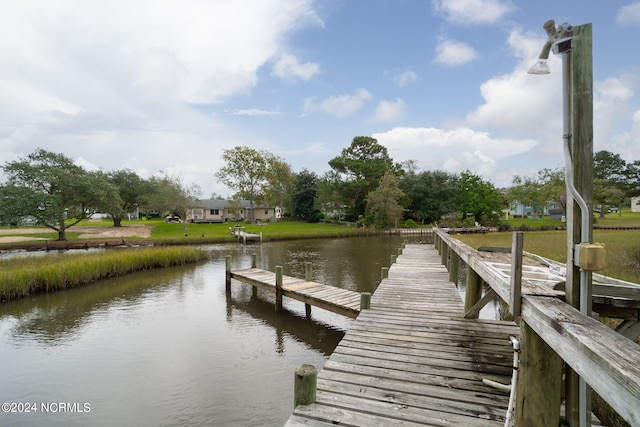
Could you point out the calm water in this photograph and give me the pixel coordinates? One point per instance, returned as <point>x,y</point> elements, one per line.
<point>169,347</point>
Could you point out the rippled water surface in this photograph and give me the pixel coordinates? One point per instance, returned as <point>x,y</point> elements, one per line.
<point>171,347</point>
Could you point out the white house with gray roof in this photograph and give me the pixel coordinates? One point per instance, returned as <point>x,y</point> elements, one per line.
<point>231,210</point>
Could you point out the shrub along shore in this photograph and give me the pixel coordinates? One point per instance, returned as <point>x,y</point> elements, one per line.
<point>24,276</point>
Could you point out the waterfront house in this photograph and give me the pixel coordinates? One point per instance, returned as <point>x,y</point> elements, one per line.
<point>213,210</point>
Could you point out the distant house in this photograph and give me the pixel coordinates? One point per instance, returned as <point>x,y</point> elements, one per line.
<point>635,204</point>
<point>231,210</point>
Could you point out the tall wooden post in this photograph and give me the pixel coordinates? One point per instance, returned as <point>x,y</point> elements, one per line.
<point>307,277</point>
<point>539,382</point>
<point>580,88</point>
<point>515,301</point>
<point>254,261</point>
<point>227,273</point>
<point>384,273</point>
<point>278,288</point>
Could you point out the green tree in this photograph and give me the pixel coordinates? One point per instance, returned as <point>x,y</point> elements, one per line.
<point>303,200</point>
<point>430,194</point>
<point>246,171</point>
<point>383,203</point>
<point>476,196</point>
<point>280,183</point>
<point>52,189</point>
<point>169,194</point>
<point>363,164</point>
<point>329,198</point>
<point>133,191</point>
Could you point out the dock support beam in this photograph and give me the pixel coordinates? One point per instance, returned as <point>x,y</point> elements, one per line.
<point>227,274</point>
<point>539,381</point>
<point>454,263</point>
<point>473,290</point>
<point>278,287</point>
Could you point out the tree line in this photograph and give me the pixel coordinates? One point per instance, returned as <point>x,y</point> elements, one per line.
<point>364,185</point>
<point>54,192</point>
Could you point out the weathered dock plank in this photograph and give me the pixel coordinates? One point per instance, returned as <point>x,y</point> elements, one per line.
<point>412,359</point>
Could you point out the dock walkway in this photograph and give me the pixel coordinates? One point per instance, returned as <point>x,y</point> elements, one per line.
<point>412,359</point>
<point>337,300</point>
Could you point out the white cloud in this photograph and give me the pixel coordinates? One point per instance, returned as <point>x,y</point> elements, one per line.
<point>629,14</point>
<point>254,112</point>
<point>519,102</point>
<point>452,150</point>
<point>340,106</point>
<point>405,78</point>
<point>469,12</point>
<point>288,67</point>
<point>389,111</point>
<point>120,84</point>
<point>453,53</point>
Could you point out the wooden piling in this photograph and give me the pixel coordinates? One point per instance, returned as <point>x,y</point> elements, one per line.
<point>278,288</point>
<point>393,259</point>
<point>365,300</point>
<point>384,273</point>
<point>254,261</point>
<point>444,253</point>
<point>454,263</point>
<point>227,275</point>
<point>473,290</point>
<point>307,271</point>
<point>515,294</point>
<point>307,276</point>
<point>305,383</point>
<point>539,387</point>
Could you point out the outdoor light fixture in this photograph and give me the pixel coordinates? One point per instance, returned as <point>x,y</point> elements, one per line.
<point>559,39</point>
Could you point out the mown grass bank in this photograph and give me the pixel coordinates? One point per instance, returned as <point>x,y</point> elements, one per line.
<point>24,276</point>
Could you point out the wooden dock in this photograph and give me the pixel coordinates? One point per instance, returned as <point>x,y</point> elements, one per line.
<point>337,300</point>
<point>412,359</point>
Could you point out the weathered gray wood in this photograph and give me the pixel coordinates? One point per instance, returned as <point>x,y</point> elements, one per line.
<point>306,377</point>
<point>227,274</point>
<point>517,245</point>
<point>384,273</point>
<point>472,293</point>
<point>454,264</point>
<point>629,329</point>
<point>307,271</point>
<point>278,288</point>
<point>539,381</point>
<point>473,312</point>
<point>365,300</point>
<point>580,87</point>
<point>254,261</point>
<point>412,360</point>
<point>608,363</point>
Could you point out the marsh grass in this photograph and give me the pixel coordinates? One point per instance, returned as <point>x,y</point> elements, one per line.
<point>20,277</point>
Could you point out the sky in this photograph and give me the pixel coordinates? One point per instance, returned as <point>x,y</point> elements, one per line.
<point>163,87</point>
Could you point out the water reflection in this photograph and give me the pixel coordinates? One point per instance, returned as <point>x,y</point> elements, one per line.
<point>171,347</point>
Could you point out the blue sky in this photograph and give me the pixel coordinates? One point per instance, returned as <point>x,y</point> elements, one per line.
<point>164,86</point>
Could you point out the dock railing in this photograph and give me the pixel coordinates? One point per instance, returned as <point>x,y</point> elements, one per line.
<point>552,333</point>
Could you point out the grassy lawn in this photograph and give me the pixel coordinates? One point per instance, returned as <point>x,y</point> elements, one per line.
<point>627,219</point>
